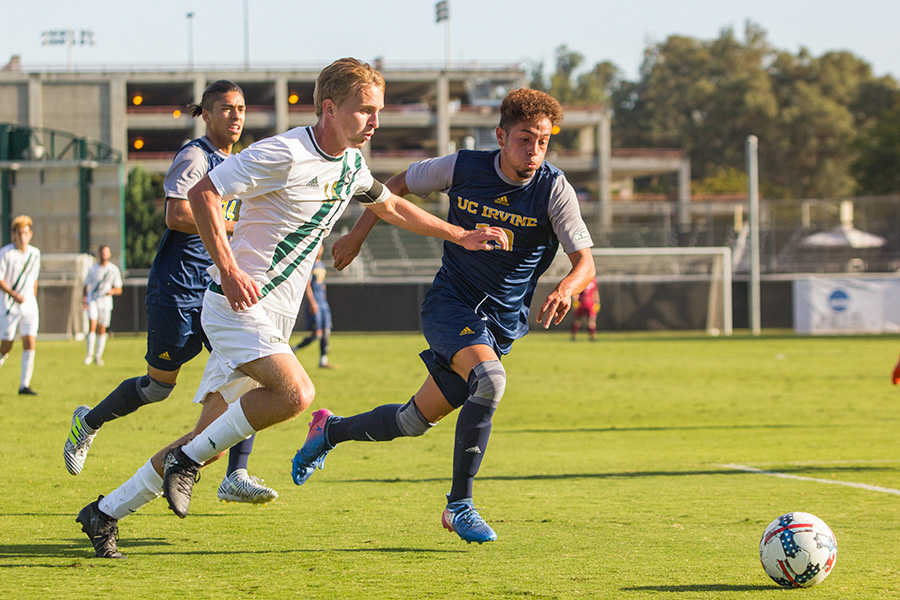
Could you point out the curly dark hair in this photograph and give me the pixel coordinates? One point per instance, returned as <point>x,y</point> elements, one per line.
<point>526,104</point>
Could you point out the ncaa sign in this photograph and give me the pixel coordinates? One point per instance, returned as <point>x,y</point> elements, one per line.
<point>828,305</point>
<point>839,300</point>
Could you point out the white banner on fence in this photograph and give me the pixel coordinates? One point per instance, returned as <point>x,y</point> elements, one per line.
<point>827,306</point>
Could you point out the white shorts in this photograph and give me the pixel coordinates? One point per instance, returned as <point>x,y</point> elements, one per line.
<point>238,338</point>
<point>100,311</point>
<point>22,318</point>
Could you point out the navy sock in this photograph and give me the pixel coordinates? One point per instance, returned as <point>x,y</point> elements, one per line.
<point>122,401</point>
<point>239,455</point>
<point>377,425</point>
<point>473,429</point>
<point>323,344</point>
<point>306,341</point>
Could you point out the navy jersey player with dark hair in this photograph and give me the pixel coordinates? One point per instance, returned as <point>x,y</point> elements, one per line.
<point>178,279</point>
<point>479,302</point>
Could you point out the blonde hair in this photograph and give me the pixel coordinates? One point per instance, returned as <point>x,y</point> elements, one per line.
<point>343,78</point>
<point>21,222</point>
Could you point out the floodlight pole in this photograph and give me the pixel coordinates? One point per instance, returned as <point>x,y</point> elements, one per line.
<point>753,197</point>
<point>190,40</point>
<point>246,35</point>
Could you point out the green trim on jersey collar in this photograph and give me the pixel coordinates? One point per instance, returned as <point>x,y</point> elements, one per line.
<point>321,152</point>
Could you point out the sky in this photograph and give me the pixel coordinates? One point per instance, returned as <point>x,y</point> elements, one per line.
<point>404,32</point>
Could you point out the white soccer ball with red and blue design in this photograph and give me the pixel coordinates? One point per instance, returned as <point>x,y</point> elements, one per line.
<point>798,550</point>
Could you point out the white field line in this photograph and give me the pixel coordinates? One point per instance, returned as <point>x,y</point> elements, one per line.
<point>863,486</point>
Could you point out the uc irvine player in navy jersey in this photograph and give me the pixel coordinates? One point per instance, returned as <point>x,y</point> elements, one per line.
<point>175,287</point>
<point>479,302</point>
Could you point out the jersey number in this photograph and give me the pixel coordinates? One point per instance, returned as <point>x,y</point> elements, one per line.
<point>510,235</point>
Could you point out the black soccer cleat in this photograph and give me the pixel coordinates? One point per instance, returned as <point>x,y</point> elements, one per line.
<point>103,530</point>
<point>179,475</point>
<point>27,391</point>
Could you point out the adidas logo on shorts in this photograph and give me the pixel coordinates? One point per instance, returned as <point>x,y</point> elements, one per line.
<point>466,331</point>
<point>165,355</point>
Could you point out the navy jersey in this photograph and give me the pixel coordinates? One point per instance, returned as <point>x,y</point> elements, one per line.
<point>498,284</point>
<point>317,282</point>
<point>178,275</point>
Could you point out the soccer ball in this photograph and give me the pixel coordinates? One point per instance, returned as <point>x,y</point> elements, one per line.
<point>798,550</point>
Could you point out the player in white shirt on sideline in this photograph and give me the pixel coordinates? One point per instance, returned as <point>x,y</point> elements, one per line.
<point>104,280</point>
<point>20,265</point>
<point>293,188</point>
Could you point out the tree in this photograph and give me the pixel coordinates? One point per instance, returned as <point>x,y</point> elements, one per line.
<point>706,97</point>
<point>143,222</point>
<point>877,168</point>
<point>594,86</point>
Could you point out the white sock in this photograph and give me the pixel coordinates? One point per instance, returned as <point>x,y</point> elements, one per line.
<point>101,345</point>
<point>220,435</point>
<point>3,358</point>
<point>91,339</point>
<point>144,487</point>
<point>27,367</point>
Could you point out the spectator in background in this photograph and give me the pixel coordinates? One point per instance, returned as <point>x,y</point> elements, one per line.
<point>20,265</point>
<point>318,313</point>
<point>104,280</point>
<point>586,305</point>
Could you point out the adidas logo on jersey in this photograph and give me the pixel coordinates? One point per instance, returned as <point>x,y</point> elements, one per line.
<point>165,355</point>
<point>501,200</point>
<point>276,340</point>
<point>466,331</point>
<point>313,183</point>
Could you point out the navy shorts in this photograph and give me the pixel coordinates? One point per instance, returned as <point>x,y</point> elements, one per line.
<point>449,325</point>
<point>174,336</point>
<point>320,320</point>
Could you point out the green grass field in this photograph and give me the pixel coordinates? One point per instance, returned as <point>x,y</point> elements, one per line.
<point>604,477</point>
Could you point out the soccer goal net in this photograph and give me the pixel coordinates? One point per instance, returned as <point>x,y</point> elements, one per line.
<point>60,293</point>
<point>663,288</point>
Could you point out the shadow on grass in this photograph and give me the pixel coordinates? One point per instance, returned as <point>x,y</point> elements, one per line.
<point>622,474</point>
<point>678,428</point>
<point>710,587</point>
<point>77,549</point>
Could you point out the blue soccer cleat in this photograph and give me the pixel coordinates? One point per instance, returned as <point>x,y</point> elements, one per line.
<point>463,519</point>
<point>312,455</point>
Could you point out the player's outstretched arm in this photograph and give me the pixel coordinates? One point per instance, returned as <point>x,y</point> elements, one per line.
<point>559,301</point>
<point>403,213</point>
<point>206,205</point>
<point>348,246</point>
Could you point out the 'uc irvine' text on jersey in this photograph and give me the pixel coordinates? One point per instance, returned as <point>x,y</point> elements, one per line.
<point>536,216</point>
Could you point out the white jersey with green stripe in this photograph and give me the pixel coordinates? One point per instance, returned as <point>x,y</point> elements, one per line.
<point>20,270</point>
<point>292,193</point>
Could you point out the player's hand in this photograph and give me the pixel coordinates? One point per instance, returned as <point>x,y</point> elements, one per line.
<point>345,250</point>
<point>240,289</point>
<point>554,309</point>
<point>895,376</point>
<point>484,238</point>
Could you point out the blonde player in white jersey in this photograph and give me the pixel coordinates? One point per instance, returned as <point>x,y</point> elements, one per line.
<point>103,281</point>
<point>293,188</point>
<point>20,266</point>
